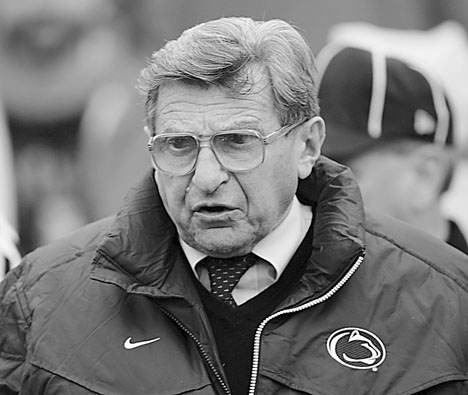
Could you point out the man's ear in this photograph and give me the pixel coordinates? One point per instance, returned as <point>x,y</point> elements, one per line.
<point>311,135</point>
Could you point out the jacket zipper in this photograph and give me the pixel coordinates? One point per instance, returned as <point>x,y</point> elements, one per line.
<point>203,352</point>
<point>312,303</point>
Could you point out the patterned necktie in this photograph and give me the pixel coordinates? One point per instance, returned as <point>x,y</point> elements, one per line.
<point>226,273</point>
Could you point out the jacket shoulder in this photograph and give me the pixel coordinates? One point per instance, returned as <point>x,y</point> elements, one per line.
<point>73,253</point>
<point>43,279</point>
<point>385,234</point>
<point>78,243</point>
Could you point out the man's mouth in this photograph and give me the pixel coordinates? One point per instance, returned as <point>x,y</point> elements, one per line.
<point>220,214</point>
<point>213,209</point>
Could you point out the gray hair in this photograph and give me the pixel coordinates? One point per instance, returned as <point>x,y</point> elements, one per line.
<point>222,52</point>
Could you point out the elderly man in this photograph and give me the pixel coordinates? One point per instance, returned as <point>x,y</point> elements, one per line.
<point>242,263</point>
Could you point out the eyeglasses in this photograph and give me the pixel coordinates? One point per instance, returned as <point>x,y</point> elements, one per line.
<point>235,150</point>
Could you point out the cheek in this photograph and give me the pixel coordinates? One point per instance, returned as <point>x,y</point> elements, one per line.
<point>172,191</point>
<point>277,182</point>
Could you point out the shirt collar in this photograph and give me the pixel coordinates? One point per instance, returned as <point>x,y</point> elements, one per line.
<point>279,246</point>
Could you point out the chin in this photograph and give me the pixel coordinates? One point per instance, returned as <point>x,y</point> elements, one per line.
<point>223,244</point>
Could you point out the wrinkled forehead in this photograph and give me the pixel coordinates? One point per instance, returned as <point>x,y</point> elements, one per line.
<point>191,105</point>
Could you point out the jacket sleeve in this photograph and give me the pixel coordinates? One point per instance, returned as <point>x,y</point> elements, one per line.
<point>14,324</point>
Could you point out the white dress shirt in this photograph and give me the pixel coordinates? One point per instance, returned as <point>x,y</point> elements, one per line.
<point>276,250</point>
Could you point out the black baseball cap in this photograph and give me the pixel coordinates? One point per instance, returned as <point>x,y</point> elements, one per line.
<point>368,99</point>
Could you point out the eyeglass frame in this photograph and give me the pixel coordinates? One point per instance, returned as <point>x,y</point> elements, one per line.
<point>265,140</point>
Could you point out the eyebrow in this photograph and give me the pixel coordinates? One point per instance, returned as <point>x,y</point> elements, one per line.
<point>244,125</point>
<point>173,129</point>
<point>236,125</point>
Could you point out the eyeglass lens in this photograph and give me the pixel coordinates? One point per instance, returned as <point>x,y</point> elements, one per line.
<point>236,151</point>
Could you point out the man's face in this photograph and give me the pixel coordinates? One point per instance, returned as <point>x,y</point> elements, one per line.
<point>387,181</point>
<point>216,211</point>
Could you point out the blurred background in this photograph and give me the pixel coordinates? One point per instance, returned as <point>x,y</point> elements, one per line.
<point>71,122</point>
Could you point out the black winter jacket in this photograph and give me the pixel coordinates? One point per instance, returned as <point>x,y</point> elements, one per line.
<point>112,309</point>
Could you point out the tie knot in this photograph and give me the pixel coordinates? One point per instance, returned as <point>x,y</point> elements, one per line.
<point>225,274</point>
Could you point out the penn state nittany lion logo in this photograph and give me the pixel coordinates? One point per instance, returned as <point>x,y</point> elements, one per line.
<point>356,348</point>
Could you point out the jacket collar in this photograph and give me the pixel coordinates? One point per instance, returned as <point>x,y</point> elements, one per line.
<point>141,252</point>
<point>338,234</point>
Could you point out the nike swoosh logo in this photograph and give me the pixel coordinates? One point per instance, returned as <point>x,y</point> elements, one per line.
<point>128,345</point>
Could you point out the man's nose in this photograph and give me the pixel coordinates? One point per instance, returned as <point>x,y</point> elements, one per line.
<point>209,174</point>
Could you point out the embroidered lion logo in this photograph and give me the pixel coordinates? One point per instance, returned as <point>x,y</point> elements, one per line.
<point>356,348</point>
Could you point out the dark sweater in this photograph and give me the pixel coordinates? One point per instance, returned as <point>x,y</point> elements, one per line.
<point>234,328</point>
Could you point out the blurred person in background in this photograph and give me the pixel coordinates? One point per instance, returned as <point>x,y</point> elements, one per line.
<point>69,109</point>
<point>392,123</point>
<point>441,51</point>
